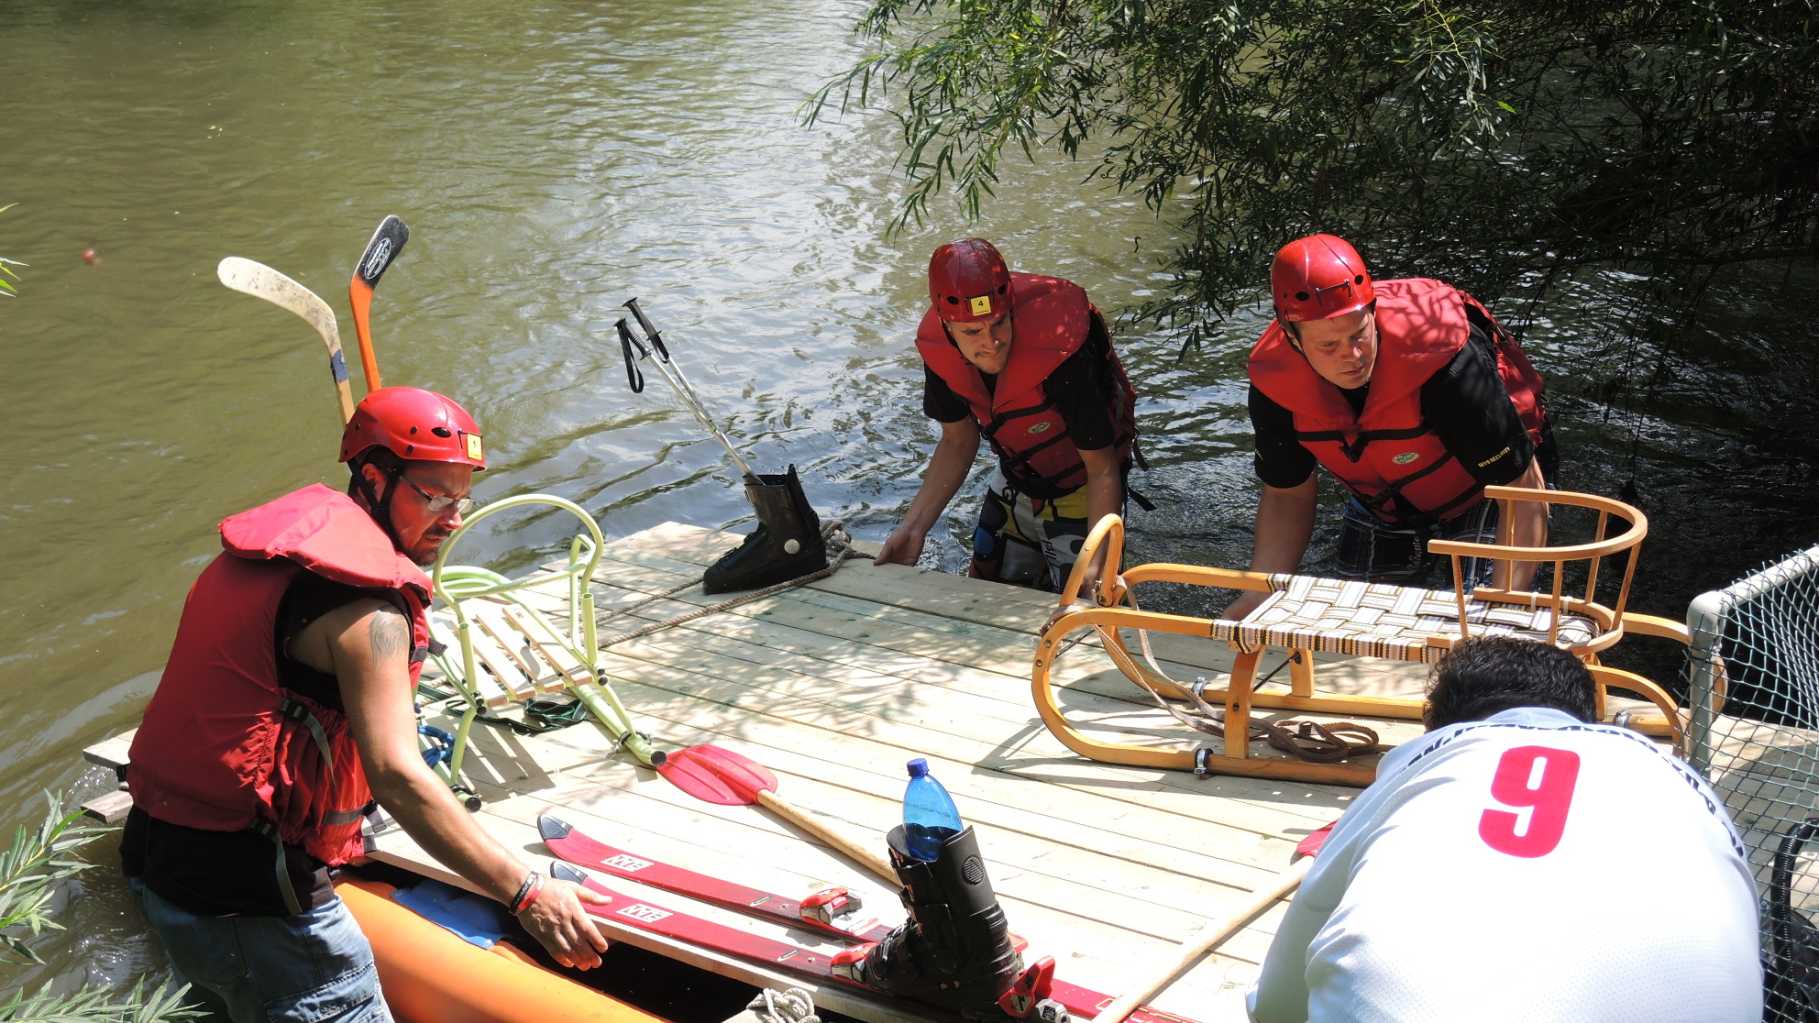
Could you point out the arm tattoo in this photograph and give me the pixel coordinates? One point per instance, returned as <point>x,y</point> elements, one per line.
<point>389,635</point>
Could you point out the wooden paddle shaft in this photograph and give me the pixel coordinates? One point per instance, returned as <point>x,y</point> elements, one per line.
<point>807,822</point>
<point>1205,941</point>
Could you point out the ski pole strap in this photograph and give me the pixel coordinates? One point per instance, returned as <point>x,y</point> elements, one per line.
<point>633,375</point>
<point>650,332</point>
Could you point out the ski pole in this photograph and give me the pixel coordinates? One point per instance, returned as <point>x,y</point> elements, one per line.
<point>1213,934</point>
<point>677,379</point>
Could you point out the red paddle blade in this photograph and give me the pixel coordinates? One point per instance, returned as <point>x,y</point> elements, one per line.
<point>717,775</point>
<point>1311,845</point>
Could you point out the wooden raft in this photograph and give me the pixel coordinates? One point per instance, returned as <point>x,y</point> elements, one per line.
<point>834,686</point>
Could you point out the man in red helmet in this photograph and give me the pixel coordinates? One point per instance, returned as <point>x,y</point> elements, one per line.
<point>285,711</point>
<point>1408,392</point>
<point>1026,362</point>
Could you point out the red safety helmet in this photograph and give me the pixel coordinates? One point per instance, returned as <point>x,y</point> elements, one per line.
<point>1319,277</point>
<point>968,281</point>
<point>414,424</point>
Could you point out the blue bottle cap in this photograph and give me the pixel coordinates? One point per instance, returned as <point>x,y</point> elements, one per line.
<point>918,768</point>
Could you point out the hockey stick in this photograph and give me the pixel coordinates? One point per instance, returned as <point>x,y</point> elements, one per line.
<point>261,281</point>
<point>387,241</point>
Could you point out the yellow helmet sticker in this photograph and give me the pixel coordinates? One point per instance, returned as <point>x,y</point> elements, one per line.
<point>981,305</point>
<point>473,448</point>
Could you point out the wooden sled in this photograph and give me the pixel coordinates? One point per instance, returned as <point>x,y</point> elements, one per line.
<point>1308,615</point>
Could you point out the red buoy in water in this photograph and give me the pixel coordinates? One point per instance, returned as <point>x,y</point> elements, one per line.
<point>88,256</point>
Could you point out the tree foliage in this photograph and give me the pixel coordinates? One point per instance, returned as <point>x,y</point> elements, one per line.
<point>7,274</point>
<point>31,869</point>
<point>1490,143</point>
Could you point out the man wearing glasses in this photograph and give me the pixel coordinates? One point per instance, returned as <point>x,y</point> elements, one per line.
<point>1026,362</point>
<point>285,712</point>
<point>1409,393</point>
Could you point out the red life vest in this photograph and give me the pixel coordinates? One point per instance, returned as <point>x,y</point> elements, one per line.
<point>224,746</point>
<point>1052,319</point>
<point>1388,456</point>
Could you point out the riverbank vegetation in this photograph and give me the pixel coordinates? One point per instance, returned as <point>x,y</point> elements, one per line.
<point>8,276</point>
<point>1502,146</point>
<point>38,866</point>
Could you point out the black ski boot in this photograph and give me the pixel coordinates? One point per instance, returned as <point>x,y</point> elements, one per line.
<point>786,545</point>
<point>954,951</point>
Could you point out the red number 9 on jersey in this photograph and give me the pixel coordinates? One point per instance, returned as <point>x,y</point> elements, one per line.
<point>1538,780</point>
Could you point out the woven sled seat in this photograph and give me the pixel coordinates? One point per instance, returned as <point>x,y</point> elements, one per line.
<point>1401,623</point>
<point>1307,615</point>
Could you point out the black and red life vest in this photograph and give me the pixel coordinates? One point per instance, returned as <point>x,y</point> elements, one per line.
<point>1052,319</point>
<point>1388,455</point>
<point>224,745</point>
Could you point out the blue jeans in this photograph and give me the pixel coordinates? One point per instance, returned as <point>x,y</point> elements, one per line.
<point>1373,552</point>
<point>311,968</point>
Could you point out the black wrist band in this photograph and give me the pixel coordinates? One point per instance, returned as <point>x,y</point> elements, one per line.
<point>529,879</point>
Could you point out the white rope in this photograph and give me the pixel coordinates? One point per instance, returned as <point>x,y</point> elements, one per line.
<point>791,1005</point>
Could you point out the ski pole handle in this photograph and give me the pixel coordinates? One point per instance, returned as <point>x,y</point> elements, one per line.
<point>651,332</point>
<point>633,375</point>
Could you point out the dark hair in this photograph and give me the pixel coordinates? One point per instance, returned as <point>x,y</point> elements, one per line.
<point>380,458</point>
<point>1481,677</point>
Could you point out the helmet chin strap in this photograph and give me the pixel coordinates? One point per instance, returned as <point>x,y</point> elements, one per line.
<point>380,508</point>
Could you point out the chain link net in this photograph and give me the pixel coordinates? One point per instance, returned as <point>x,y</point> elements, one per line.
<point>1761,754</point>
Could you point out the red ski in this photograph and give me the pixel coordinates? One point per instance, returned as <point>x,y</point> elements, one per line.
<point>669,923</point>
<point>824,910</point>
<point>569,843</point>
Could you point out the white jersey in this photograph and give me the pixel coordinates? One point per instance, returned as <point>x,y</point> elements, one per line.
<point>1527,867</point>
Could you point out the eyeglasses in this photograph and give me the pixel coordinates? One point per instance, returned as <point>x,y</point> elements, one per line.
<point>439,504</point>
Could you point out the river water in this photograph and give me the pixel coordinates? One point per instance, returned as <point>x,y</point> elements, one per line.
<point>554,159</point>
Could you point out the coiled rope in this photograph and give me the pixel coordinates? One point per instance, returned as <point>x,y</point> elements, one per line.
<point>791,1005</point>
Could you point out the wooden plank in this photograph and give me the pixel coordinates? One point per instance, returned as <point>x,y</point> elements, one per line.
<point>494,621</point>
<point>764,643</point>
<point>1005,650</point>
<point>112,752</point>
<point>502,662</point>
<point>1035,830</point>
<point>109,807</point>
<point>914,719</point>
<point>1304,799</point>
<point>552,650</point>
<point>685,549</point>
<point>443,631</point>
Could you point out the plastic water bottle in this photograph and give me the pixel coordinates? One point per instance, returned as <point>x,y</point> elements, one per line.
<point>929,816</point>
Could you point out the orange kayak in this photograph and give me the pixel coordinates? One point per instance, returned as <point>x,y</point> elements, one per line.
<point>431,975</point>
